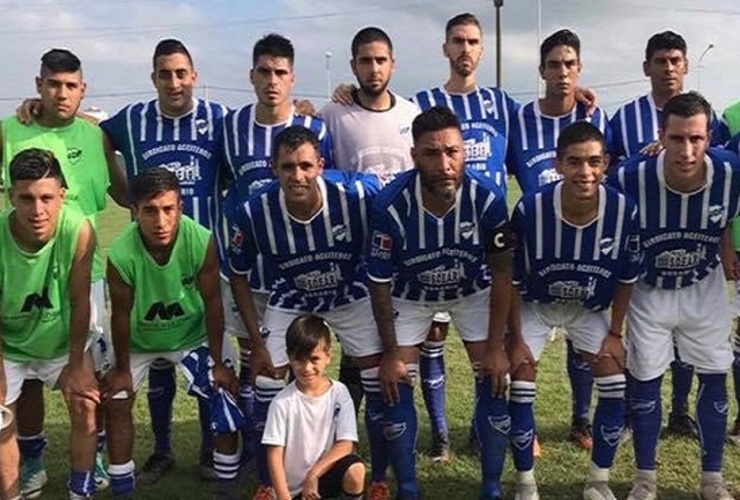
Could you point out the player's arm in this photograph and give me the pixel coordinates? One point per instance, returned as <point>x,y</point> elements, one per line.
<point>276,466</point>
<point>121,305</point>
<point>209,284</point>
<point>339,450</point>
<point>118,189</point>
<point>76,378</point>
<point>3,381</point>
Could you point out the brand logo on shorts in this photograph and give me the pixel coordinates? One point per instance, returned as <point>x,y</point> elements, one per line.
<point>164,311</point>
<point>74,155</point>
<point>681,259</point>
<point>264,332</point>
<point>41,301</point>
<point>716,213</point>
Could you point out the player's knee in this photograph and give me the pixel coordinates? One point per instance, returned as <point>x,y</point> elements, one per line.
<point>226,444</point>
<point>437,332</point>
<point>605,367</point>
<point>7,425</point>
<point>118,411</point>
<point>82,412</point>
<point>353,481</point>
<point>525,372</point>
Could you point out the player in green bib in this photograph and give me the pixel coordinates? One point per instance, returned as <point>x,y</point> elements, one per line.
<point>46,255</point>
<point>163,276</point>
<point>89,167</point>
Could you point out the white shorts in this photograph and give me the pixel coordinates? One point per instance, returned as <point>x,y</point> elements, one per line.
<point>586,329</point>
<point>233,324</point>
<point>469,314</point>
<point>353,324</point>
<point>141,361</point>
<point>102,345</point>
<point>737,298</point>
<point>697,318</point>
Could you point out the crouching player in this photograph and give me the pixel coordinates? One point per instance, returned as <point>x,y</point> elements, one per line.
<point>46,255</point>
<point>577,254</point>
<point>311,429</point>
<point>440,242</point>
<point>163,277</point>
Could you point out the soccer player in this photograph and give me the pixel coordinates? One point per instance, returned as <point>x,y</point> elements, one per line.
<point>311,430</point>
<point>577,255</point>
<point>249,133</point>
<point>685,198</point>
<point>45,264</point>
<point>91,172</point>
<point>309,228</point>
<point>635,125</point>
<point>440,243</point>
<point>182,134</point>
<point>163,276</point>
<point>531,154</point>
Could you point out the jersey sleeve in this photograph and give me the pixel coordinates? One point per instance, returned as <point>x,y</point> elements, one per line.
<point>383,245</point>
<point>496,230</point>
<point>242,247</point>
<point>631,250</point>
<point>346,419</point>
<point>614,145</point>
<point>276,426</point>
<point>720,131</point>
<point>326,144</point>
<point>116,128</point>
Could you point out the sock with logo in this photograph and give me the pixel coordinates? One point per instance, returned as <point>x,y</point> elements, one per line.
<point>712,408</point>
<point>608,419</point>
<point>646,415</point>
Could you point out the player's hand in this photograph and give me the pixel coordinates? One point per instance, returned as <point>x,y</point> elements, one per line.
<point>343,94</point>
<point>260,362</point>
<point>28,110</point>
<point>304,107</point>
<point>116,381</point>
<point>519,354</point>
<point>612,347</point>
<point>76,380</point>
<point>496,365</point>
<point>588,98</point>
<point>310,488</point>
<point>3,385</point>
<point>225,379</point>
<point>392,371</point>
<point>652,149</point>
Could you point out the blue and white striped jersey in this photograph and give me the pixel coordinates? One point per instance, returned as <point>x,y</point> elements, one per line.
<point>317,264</point>
<point>636,124</point>
<point>533,141</point>
<point>428,258</point>
<point>556,261</point>
<point>188,145</point>
<point>248,146</point>
<point>484,116</point>
<point>680,232</point>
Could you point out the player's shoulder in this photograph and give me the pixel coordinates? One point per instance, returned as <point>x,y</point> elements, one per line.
<point>353,183</point>
<point>394,189</point>
<point>238,116</point>
<point>124,244</point>
<point>473,179</point>
<point>340,392</point>
<point>404,105</point>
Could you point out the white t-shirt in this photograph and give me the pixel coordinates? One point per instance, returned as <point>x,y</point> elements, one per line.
<point>378,142</point>
<point>307,427</point>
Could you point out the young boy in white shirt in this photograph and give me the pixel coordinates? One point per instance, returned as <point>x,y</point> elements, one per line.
<point>311,428</point>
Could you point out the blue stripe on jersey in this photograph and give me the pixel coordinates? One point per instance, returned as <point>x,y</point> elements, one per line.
<point>427,258</point>
<point>636,124</point>
<point>318,264</point>
<point>248,146</point>
<point>484,119</point>
<point>188,145</point>
<point>533,141</point>
<point>556,261</point>
<point>680,232</point>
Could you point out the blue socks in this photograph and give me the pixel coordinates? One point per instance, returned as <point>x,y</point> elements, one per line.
<point>161,395</point>
<point>522,395</point>
<point>646,415</point>
<point>399,429</point>
<point>682,378</point>
<point>608,419</point>
<point>32,447</point>
<point>736,377</point>
<point>374,424</point>
<point>122,478</point>
<point>265,390</point>
<point>712,408</point>
<point>246,404</point>
<point>492,425</point>
<point>82,483</point>
<point>581,383</point>
<point>432,370</point>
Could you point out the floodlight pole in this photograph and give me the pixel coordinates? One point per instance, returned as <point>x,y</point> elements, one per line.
<point>498,4</point>
<point>700,65</point>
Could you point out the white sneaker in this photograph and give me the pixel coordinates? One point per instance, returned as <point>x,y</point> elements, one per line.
<point>100,473</point>
<point>598,490</point>
<point>643,488</point>
<point>714,489</point>
<point>33,479</point>
<point>526,491</point>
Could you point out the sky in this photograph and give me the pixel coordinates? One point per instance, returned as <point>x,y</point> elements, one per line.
<point>115,40</point>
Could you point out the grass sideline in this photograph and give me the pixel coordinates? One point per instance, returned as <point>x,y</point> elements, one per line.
<point>560,472</point>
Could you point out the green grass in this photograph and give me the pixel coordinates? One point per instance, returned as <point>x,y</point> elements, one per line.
<point>560,472</point>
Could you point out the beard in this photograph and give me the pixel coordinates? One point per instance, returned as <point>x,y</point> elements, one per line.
<point>374,91</point>
<point>462,69</point>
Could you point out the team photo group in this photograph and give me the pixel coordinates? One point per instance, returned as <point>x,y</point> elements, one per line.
<point>271,246</point>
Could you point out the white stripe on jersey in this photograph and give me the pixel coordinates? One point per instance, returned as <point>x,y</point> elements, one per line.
<point>523,126</point>
<point>175,128</point>
<point>643,193</point>
<point>578,244</point>
<point>420,215</point>
<point>132,148</point>
<point>160,126</point>
<point>726,192</point>
<point>558,237</point>
<point>310,240</point>
<point>196,208</point>
<point>268,223</point>
<point>620,226</point>
<point>326,215</point>
<point>250,131</point>
<point>394,213</point>
<point>142,124</point>
<point>600,225</point>
<point>540,232</point>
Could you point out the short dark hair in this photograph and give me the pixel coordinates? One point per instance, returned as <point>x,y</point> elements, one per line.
<point>304,334</point>
<point>168,47</point>
<point>687,105</point>
<point>294,137</point>
<point>432,120</point>
<point>561,37</point>
<point>33,164</point>
<point>369,35</point>
<point>59,61</point>
<point>462,19</point>
<point>273,45</point>
<point>577,133</point>
<point>665,40</point>
<point>153,181</point>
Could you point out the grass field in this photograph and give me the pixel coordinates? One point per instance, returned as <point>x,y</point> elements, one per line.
<point>560,472</point>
